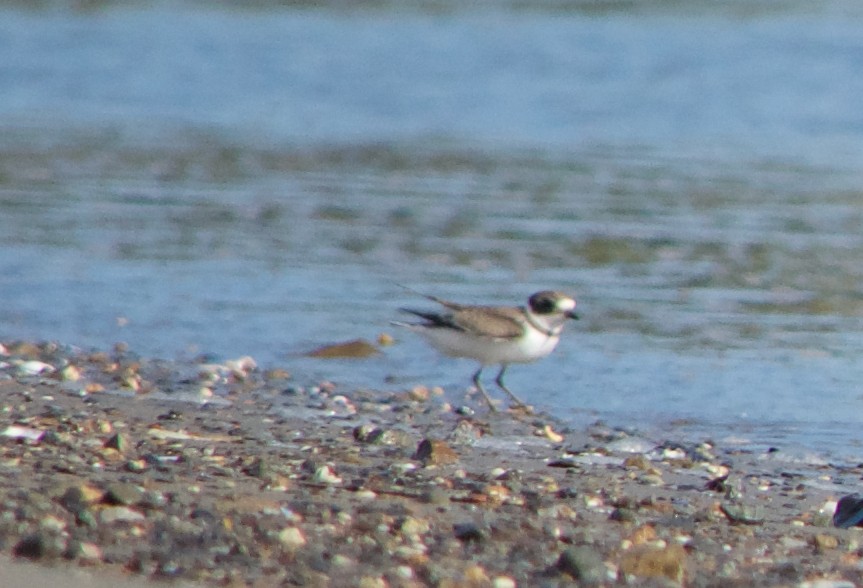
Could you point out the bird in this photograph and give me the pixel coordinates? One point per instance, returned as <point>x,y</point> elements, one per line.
<point>495,335</point>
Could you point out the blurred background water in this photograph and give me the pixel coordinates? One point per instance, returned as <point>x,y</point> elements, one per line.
<point>233,179</point>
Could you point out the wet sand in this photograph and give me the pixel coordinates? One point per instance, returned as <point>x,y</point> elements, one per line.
<point>256,480</point>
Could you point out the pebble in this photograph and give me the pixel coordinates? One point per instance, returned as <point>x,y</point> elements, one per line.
<point>34,368</point>
<point>651,562</point>
<point>584,564</point>
<point>124,514</point>
<point>326,475</point>
<point>79,497</point>
<point>40,545</point>
<point>84,551</point>
<point>23,433</point>
<point>468,532</point>
<point>743,514</point>
<point>137,466</point>
<point>464,433</point>
<point>53,524</point>
<point>549,433</point>
<point>70,374</point>
<point>823,541</point>
<point>435,452</point>
<point>120,494</point>
<point>117,441</point>
<point>849,511</point>
<point>292,538</point>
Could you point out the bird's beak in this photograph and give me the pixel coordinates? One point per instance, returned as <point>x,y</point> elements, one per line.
<point>572,314</point>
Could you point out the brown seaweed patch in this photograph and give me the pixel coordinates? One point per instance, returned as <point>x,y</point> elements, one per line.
<point>355,349</point>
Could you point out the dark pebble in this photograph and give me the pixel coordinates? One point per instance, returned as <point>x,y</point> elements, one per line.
<point>39,546</point>
<point>623,515</point>
<point>468,532</point>
<point>849,512</point>
<point>583,563</point>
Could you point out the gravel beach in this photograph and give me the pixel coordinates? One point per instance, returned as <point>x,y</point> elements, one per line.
<point>124,470</point>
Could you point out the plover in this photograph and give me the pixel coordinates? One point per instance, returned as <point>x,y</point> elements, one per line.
<point>496,335</point>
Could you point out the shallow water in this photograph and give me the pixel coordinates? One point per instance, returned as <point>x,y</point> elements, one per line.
<point>258,182</point>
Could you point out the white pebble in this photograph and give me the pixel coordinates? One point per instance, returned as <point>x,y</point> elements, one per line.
<point>292,538</point>
<point>405,572</point>
<point>20,432</point>
<point>325,475</point>
<point>503,582</point>
<point>34,368</point>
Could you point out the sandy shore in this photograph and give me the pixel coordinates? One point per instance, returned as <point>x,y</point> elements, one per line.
<point>256,480</point>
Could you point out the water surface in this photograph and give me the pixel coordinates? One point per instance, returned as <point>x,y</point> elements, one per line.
<point>224,181</point>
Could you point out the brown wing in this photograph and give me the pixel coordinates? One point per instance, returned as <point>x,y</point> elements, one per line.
<point>487,321</point>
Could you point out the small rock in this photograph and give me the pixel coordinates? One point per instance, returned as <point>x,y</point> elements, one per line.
<point>475,576</point>
<point>650,562</point>
<point>52,524</point>
<point>849,511</point>
<point>740,513</point>
<point>137,466</point>
<point>120,494</point>
<point>85,551</point>
<point>464,433</point>
<point>639,462</point>
<point>503,582</point>
<point>77,498</point>
<point>583,563</point>
<point>39,545</point>
<point>367,433</point>
<point>292,538</point>
<point>824,542</point>
<point>435,452</point>
<point>70,374</point>
<point>118,442</point>
<point>436,495</point>
<point>419,393</point>
<point>34,368</point>
<point>404,572</point>
<point>325,475</point>
<point>412,526</point>
<point>153,499</point>
<point>257,469</point>
<point>623,515</point>
<point>643,535</point>
<point>550,434</point>
<point>468,532</point>
<point>23,433</point>
<point>123,514</point>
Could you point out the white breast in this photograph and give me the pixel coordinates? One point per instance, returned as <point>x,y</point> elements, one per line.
<point>529,347</point>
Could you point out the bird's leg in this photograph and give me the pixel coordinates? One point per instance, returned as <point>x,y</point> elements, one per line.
<point>479,387</point>
<point>499,381</point>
